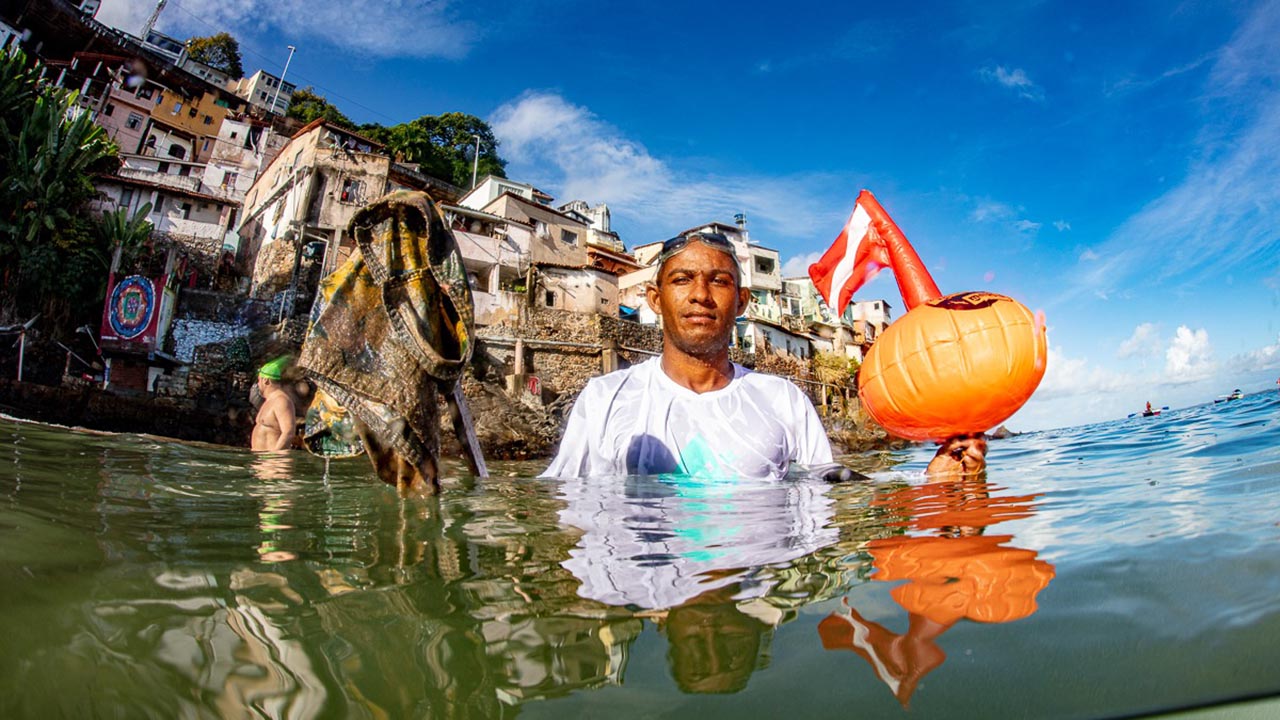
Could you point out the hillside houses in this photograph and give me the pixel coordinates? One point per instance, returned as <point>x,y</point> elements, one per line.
<point>258,205</point>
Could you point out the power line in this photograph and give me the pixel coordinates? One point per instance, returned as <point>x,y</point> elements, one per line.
<point>264,58</point>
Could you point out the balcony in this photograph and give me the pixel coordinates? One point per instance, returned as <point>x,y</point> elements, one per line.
<point>761,311</point>
<point>189,183</point>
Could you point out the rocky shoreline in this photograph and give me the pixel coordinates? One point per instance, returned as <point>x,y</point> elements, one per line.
<point>507,430</point>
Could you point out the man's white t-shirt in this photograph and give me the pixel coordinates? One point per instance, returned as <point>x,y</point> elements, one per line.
<point>638,421</point>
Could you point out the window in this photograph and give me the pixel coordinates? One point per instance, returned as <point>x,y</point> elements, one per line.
<point>145,93</point>
<point>177,108</point>
<point>159,98</point>
<point>151,142</point>
<point>352,191</point>
<point>764,265</point>
<point>108,109</point>
<point>551,298</point>
<point>229,179</point>
<point>177,151</point>
<point>134,121</point>
<point>186,211</point>
<point>163,168</point>
<point>159,204</point>
<point>262,95</point>
<point>126,197</point>
<point>569,237</point>
<point>193,111</point>
<point>184,170</point>
<point>233,134</point>
<point>208,119</point>
<point>207,143</point>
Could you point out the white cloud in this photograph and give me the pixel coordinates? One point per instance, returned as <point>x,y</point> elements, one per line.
<point>1222,216</point>
<point>402,28</point>
<point>1262,359</point>
<point>990,210</point>
<point>994,211</point>
<point>1144,342</point>
<point>1061,225</point>
<point>1015,79</point>
<point>1189,357</point>
<point>558,145</point>
<point>1088,256</point>
<point>1067,377</point>
<point>798,265</point>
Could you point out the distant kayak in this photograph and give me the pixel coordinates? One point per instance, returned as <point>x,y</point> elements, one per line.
<point>1150,413</point>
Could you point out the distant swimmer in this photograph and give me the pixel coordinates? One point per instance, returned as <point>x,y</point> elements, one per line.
<point>274,427</point>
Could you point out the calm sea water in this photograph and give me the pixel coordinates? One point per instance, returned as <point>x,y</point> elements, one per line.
<point>1110,570</point>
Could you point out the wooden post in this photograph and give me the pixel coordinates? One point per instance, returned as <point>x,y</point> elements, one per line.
<point>519,360</point>
<point>609,356</point>
<point>22,349</point>
<point>465,431</point>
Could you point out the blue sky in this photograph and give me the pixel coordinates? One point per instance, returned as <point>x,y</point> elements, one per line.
<point>1114,165</point>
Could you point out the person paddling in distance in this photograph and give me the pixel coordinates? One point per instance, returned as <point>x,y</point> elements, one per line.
<point>692,411</point>
<point>274,427</point>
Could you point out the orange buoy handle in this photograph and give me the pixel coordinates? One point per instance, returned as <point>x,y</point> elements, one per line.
<point>887,244</point>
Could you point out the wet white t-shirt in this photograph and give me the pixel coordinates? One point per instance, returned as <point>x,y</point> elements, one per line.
<point>638,421</point>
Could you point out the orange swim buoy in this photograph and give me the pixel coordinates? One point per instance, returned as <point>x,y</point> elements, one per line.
<point>957,364</point>
<point>950,365</point>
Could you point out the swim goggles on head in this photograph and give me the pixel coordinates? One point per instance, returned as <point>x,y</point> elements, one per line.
<point>680,242</point>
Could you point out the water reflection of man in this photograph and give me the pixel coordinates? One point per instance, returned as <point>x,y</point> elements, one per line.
<point>952,573</point>
<point>656,543</point>
<point>714,646</point>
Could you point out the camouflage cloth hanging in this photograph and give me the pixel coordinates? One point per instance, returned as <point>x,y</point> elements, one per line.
<point>391,328</point>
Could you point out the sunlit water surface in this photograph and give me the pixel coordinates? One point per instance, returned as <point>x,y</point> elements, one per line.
<point>1103,571</point>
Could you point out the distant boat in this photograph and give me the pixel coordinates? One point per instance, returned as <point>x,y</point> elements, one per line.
<point>1235,395</point>
<point>1150,411</point>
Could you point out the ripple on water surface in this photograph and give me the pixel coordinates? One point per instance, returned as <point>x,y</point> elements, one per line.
<point>1105,570</point>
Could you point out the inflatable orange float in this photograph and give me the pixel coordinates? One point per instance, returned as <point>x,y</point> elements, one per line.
<point>950,365</point>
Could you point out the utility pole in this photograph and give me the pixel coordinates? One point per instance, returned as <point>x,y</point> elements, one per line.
<point>475,162</point>
<point>151,21</point>
<point>276,95</point>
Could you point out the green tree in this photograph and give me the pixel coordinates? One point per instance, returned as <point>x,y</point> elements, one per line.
<point>118,229</point>
<point>52,260</point>
<point>444,146</point>
<point>221,52</point>
<point>18,83</point>
<point>308,105</point>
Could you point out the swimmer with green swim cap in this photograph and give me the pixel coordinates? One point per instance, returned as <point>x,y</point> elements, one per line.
<point>274,370</point>
<point>273,429</point>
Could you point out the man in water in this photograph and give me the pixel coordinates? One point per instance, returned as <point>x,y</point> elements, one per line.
<point>691,411</point>
<point>275,425</point>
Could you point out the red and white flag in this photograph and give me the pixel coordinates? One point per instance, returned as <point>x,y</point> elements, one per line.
<point>869,242</point>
